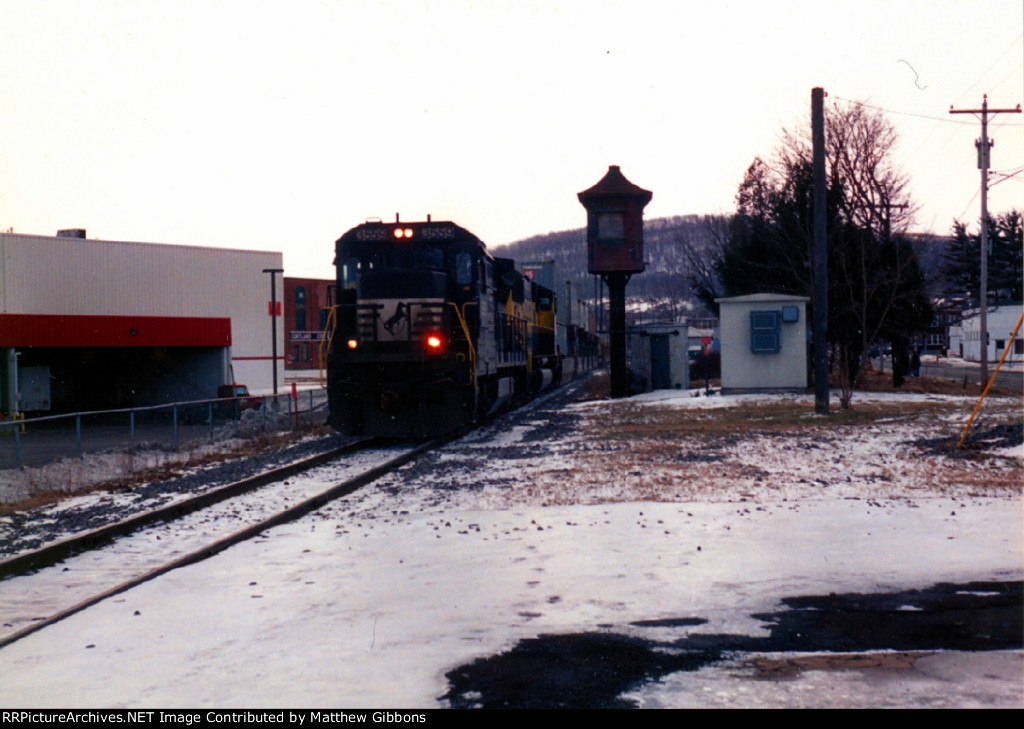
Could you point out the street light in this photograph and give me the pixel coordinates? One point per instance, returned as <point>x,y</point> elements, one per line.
<point>273,320</point>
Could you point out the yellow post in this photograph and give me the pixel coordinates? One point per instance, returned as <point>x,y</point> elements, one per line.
<point>992,379</point>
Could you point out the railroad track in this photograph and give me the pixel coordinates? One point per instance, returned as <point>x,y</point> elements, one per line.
<point>65,578</point>
<point>54,552</point>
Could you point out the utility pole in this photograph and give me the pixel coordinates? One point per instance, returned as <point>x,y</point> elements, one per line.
<point>820,300</point>
<point>273,321</point>
<point>885,218</point>
<point>984,145</point>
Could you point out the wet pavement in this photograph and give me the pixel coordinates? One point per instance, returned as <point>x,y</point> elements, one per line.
<point>874,631</point>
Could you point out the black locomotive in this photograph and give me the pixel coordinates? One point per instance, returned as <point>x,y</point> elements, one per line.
<point>430,331</point>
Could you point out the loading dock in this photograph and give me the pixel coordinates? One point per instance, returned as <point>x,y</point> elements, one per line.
<point>122,324</point>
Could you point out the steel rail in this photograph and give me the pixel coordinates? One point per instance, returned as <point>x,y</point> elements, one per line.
<point>85,541</point>
<point>290,514</point>
<point>95,538</point>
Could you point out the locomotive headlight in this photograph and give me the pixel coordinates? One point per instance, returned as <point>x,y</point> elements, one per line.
<point>434,343</point>
<point>352,344</point>
<point>403,232</point>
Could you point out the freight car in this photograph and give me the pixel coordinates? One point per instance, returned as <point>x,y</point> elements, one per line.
<point>430,332</point>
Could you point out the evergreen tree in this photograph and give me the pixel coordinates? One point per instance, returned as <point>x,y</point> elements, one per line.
<point>876,287</point>
<point>962,262</point>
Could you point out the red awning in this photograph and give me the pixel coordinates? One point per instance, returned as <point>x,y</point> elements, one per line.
<point>60,330</point>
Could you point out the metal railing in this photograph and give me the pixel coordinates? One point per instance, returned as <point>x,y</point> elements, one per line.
<point>34,442</point>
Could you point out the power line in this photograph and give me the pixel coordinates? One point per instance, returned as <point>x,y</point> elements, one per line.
<point>985,72</point>
<point>920,116</point>
<point>1005,176</point>
<point>1013,71</point>
<point>969,203</point>
<point>935,150</point>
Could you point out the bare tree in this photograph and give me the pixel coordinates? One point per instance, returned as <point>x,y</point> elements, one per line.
<point>876,288</point>
<point>685,248</point>
<point>859,145</point>
<point>691,253</point>
<point>881,262</point>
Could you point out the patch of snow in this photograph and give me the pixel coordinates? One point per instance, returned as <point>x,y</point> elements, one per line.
<point>370,601</point>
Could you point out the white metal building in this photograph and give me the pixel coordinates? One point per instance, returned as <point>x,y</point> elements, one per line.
<point>764,341</point>
<point>119,324</point>
<point>965,337</point>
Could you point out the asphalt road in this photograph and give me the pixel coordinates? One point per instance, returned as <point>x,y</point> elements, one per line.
<point>1009,378</point>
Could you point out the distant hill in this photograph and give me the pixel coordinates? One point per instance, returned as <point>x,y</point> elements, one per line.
<point>675,249</point>
<point>678,251</point>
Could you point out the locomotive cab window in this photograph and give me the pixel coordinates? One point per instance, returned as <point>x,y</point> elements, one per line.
<point>427,259</point>
<point>349,273</point>
<point>389,259</point>
<point>464,269</point>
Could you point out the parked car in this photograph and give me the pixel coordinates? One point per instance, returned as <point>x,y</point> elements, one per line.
<point>235,399</point>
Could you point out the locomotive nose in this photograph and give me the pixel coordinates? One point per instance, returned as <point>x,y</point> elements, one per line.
<point>390,401</point>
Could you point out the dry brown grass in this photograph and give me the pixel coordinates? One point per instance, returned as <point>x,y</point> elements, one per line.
<point>757,447</point>
<point>653,423</point>
<point>787,668</point>
<point>872,381</point>
<point>597,386</point>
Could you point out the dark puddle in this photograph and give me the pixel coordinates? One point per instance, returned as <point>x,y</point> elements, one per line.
<point>593,670</point>
<point>977,441</point>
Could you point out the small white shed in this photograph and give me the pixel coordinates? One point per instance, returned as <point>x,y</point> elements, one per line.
<point>658,358</point>
<point>764,342</point>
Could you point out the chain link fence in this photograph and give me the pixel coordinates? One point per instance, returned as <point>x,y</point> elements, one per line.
<point>35,442</point>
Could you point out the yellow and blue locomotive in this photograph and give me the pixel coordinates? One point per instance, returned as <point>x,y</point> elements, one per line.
<point>429,331</point>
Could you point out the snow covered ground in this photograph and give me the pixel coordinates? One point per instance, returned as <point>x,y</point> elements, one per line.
<point>593,518</point>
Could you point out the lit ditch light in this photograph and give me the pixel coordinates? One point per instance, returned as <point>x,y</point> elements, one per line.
<point>434,343</point>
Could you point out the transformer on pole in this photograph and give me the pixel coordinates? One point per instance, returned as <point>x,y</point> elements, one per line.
<point>984,146</point>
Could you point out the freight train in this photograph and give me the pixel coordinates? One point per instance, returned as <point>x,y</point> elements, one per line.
<point>429,332</point>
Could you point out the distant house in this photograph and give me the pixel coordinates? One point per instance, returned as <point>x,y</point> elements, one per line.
<point>965,337</point>
<point>764,342</point>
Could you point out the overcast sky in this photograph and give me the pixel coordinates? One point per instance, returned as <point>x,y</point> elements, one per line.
<point>278,125</point>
